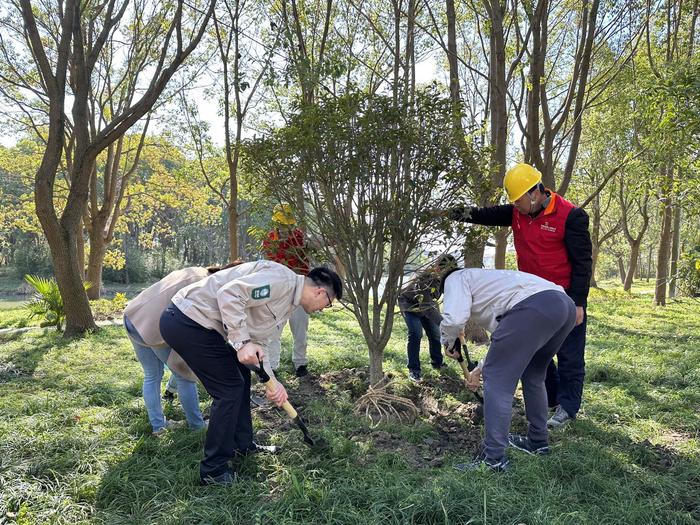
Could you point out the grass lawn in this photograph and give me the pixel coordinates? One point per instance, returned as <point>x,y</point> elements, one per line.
<point>75,444</point>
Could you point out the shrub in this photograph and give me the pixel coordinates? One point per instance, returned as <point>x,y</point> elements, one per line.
<point>103,309</point>
<point>689,273</point>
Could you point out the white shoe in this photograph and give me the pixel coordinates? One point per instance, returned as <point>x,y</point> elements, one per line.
<point>170,424</point>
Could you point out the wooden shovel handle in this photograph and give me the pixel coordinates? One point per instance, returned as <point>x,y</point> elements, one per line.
<point>271,386</point>
<point>465,370</point>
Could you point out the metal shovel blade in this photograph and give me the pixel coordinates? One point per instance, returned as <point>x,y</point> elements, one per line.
<point>316,444</point>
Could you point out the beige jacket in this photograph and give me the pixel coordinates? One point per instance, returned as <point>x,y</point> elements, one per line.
<point>250,301</point>
<point>145,309</point>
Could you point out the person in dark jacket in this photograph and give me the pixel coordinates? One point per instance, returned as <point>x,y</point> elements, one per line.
<point>418,305</point>
<point>552,241</point>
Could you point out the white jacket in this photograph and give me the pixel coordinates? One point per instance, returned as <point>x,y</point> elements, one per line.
<point>249,301</point>
<point>484,296</point>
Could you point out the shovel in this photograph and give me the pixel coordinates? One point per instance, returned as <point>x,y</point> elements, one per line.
<point>271,386</point>
<point>466,367</point>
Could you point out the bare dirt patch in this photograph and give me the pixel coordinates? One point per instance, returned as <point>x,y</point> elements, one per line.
<point>442,403</point>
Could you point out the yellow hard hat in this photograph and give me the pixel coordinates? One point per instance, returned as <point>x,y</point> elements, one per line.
<point>283,214</point>
<point>519,179</point>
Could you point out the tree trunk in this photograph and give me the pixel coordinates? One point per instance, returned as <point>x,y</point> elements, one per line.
<point>498,111</point>
<point>95,262</point>
<point>621,268</point>
<point>594,254</point>
<point>662,259</point>
<point>595,238</point>
<point>501,237</point>
<point>536,75</point>
<point>675,250</point>
<point>474,258</point>
<point>66,268</point>
<point>474,250</point>
<point>631,270</point>
<point>376,359</point>
<point>651,253</point>
<point>81,250</point>
<point>233,161</point>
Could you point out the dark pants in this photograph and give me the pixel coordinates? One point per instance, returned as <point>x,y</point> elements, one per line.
<point>565,378</point>
<point>225,379</point>
<point>416,324</point>
<point>527,337</point>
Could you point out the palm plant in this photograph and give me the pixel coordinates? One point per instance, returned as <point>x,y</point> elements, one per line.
<point>47,301</point>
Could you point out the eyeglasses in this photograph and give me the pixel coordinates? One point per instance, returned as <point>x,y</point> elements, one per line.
<point>330,301</point>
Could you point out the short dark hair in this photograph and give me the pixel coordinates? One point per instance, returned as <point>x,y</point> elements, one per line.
<point>446,262</point>
<point>327,278</point>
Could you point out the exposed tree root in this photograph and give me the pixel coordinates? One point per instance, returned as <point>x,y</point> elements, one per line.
<point>378,405</point>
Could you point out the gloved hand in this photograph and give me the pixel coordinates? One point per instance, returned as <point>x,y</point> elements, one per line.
<point>432,214</point>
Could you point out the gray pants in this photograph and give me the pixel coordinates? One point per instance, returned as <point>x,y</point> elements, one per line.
<point>299,325</point>
<point>527,337</point>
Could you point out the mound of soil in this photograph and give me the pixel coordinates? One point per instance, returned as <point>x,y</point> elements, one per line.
<point>456,418</point>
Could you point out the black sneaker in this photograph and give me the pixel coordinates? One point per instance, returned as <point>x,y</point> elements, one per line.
<point>301,371</point>
<point>482,462</point>
<point>438,366</point>
<point>523,443</point>
<point>414,376</point>
<point>226,478</point>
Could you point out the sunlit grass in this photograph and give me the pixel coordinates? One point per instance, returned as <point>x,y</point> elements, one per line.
<point>75,445</point>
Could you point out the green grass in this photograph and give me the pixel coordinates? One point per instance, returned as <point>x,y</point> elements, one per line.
<point>75,444</point>
<point>13,314</point>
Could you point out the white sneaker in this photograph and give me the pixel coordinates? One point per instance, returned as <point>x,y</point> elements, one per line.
<point>560,418</point>
<point>170,424</point>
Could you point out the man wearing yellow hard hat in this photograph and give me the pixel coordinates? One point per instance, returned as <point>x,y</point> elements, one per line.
<point>286,244</point>
<point>552,241</point>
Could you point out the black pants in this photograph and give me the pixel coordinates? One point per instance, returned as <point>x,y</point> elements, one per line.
<point>565,378</point>
<point>226,380</point>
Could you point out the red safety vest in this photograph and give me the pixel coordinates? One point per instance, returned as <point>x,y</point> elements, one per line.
<point>539,242</point>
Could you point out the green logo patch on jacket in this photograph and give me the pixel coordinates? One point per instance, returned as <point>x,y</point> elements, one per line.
<point>261,292</point>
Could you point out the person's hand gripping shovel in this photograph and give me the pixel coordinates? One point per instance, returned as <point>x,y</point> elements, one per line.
<point>472,373</point>
<point>271,386</point>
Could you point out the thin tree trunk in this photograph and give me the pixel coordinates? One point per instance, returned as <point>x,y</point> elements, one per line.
<point>663,255</point>
<point>621,268</point>
<point>631,270</point>
<point>675,250</point>
<point>595,252</point>
<point>81,250</point>
<point>501,237</point>
<point>453,68</point>
<point>474,258</point>
<point>233,161</point>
